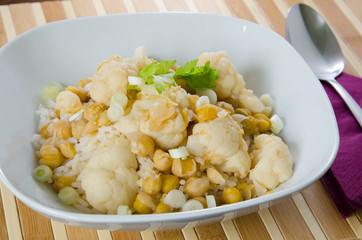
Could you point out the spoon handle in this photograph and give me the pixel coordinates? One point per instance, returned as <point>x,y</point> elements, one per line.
<point>351,103</point>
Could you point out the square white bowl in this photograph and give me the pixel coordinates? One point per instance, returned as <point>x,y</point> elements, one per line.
<point>70,50</point>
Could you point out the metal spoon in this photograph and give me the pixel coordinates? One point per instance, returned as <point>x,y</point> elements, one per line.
<point>310,35</point>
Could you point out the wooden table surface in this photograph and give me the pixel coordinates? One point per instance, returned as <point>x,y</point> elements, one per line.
<point>310,214</point>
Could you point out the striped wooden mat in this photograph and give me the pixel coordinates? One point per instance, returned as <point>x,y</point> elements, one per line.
<point>310,214</point>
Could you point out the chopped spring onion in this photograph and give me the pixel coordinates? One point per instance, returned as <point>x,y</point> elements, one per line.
<point>180,152</point>
<point>114,113</point>
<point>50,92</point>
<point>210,201</point>
<point>68,195</point>
<point>77,115</point>
<point>203,100</point>
<point>276,124</point>
<point>208,93</point>
<point>124,210</point>
<point>175,198</point>
<point>119,99</point>
<point>43,173</point>
<point>267,100</point>
<point>132,80</point>
<point>192,205</point>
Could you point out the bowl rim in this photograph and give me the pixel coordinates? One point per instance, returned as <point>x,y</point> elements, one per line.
<point>168,217</point>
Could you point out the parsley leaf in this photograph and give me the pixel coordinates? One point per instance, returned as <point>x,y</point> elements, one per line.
<point>200,78</point>
<point>161,82</point>
<point>164,66</point>
<point>157,74</point>
<point>148,71</point>
<point>197,77</point>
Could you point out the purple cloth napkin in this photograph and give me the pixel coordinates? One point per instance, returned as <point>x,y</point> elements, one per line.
<point>343,180</point>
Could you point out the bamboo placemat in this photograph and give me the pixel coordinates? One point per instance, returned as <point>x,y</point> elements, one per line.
<point>310,214</point>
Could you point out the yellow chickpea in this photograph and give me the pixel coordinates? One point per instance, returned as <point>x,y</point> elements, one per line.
<point>63,129</point>
<point>93,110</point>
<point>170,182</point>
<point>152,184</point>
<point>142,145</point>
<point>162,160</point>
<point>50,156</point>
<point>184,168</point>
<point>90,127</point>
<point>83,82</point>
<point>163,208</point>
<point>45,133</point>
<point>67,150</point>
<point>231,195</point>
<point>202,200</point>
<point>80,92</point>
<point>62,181</point>
<point>247,190</point>
<point>196,187</point>
<point>78,128</point>
<point>103,120</point>
<point>144,203</point>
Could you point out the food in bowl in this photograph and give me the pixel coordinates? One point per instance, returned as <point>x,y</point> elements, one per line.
<point>143,136</point>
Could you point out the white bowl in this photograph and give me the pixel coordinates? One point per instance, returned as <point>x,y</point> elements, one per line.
<point>69,50</point>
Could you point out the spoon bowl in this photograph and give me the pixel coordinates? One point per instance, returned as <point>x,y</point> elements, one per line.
<point>311,36</point>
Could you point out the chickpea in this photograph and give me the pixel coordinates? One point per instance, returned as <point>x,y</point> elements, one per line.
<point>231,195</point>
<point>256,124</point>
<point>233,101</point>
<point>78,128</point>
<point>144,203</point>
<point>62,129</point>
<point>93,110</point>
<point>163,208</point>
<point>162,160</point>
<point>50,156</point>
<point>263,123</point>
<point>83,82</point>
<point>170,182</point>
<point>214,176</point>
<point>202,200</point>
<point>184,168</point>
<point>247,190</point>
<point>81,93</point>
<point>196,187</point>
<point>243,111</point>
<point>62,182</point>
<point>90,127</point>
<point>142,145</point>
<point>45,131</point>
<point>103,119</point>
<point>67,150</point>
<point>226,106</point>
<point>152,185</point>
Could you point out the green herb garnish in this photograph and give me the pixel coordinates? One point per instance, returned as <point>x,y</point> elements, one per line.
<point>198,77</point>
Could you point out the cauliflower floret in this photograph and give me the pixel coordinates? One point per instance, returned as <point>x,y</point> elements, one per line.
<point>230,82</point>
<point>110,78</point>
<point>67,102</point>
<point>249,101</point>
<point>179,96</point>
<point>220,141</point>
<point>110,177</point>
<point>158,117</point>
<point>272,160</point>
<point>240,160</point>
